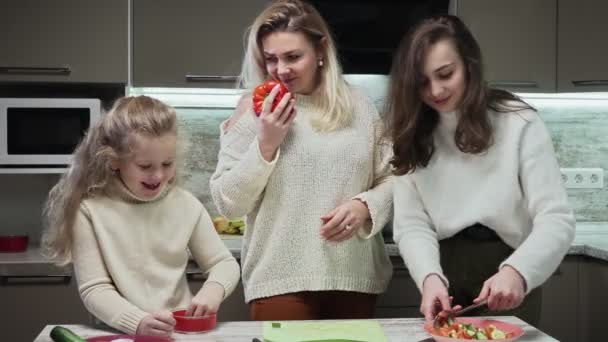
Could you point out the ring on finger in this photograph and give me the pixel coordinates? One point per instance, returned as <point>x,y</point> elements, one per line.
<point>348,227</point>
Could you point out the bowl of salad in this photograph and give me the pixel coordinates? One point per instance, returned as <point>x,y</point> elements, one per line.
<point>474,328</point>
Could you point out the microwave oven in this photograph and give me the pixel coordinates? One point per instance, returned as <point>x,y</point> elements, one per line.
<point>43,132</point>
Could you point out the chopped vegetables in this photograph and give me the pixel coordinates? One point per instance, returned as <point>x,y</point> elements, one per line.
<point>225,226</point>
<point>470,332</point>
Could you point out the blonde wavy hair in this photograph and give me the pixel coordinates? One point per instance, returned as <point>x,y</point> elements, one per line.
<point>333,97</point>
<point>90,172</point>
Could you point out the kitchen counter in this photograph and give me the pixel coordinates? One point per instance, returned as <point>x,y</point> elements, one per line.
<point>591,240</point>
<point>401,329</point>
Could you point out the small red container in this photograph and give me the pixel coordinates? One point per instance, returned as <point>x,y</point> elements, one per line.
<point>13,243</point>
<point>193,324</point>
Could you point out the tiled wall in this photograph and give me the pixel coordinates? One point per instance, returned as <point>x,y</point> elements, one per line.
<point>579,128</point>
<point>21,200</point>
<point>578,124</point>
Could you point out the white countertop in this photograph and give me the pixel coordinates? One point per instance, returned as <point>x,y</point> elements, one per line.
<point>399,329</point>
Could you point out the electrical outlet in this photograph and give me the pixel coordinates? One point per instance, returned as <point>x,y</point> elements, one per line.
<point>583,178</point>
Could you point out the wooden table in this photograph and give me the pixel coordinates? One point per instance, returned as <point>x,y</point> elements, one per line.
<point>396,330</point>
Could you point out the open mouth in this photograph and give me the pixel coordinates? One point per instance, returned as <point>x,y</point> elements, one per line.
<point>288,82</point>
<point>442,101</point>
<point>150,186</point>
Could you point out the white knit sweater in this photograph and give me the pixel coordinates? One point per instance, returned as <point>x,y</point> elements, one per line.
<point>514,188</point>
<point>284,200</point>
<point>130,254</point>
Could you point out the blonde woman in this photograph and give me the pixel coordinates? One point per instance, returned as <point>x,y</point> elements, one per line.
<point>118,216</point>
<point>311,176</point>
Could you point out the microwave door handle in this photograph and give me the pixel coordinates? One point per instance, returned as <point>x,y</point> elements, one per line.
<point>24,70</point>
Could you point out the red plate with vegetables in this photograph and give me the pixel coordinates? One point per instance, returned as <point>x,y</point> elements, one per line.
<point>262,91</point>
<point>471,328</point>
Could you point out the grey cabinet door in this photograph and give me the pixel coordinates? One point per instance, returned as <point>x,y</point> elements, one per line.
<point>517,39</point>
<point>402,298</point>
<point>582,46</point>
<point>560,302</point>
<point>593,300</point>
<point>31,303</point>
<point>64,41</point>
<point>190,43</point>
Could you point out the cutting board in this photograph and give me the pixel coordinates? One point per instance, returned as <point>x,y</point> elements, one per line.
<point>295,331</point>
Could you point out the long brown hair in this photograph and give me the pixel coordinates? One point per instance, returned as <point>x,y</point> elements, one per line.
<point>334,97</point>
<point>90,171</point>
<point>411,122</point>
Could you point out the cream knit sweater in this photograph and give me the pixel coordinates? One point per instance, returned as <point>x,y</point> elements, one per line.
<point>130,255</point>
<point>514,188</point>
<point>283,202</point>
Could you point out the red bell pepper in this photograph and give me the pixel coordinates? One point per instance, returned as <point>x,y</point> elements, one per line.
<point>260,92</point>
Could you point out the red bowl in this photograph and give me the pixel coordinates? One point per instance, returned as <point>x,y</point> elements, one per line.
<point>193,324</point>
<point>13,243</point>
<point>515,331</point>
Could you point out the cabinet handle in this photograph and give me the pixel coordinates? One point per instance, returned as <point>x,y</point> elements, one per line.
<point>515,84</point>
<point>204,78</point>
<point>590,83</point>
<point>64,70</point>
<point>36,280</point>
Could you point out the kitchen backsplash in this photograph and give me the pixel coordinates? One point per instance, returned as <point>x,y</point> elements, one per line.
<point>578,124</point>
<point>21,199</point>
<point>579,128</point>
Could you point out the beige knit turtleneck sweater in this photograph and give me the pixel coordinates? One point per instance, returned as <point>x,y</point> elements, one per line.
<point>130,254</point>
<point>283,202</point>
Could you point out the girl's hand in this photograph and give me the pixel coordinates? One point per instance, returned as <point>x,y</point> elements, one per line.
<point>435,297</point>
<point>207,300</point>
<point>157,324</point>
<point>342,222</point>
<point>273,126</point>
<point>505,290</point>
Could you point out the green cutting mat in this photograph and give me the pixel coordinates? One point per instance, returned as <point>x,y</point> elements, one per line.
<point>297,331</point>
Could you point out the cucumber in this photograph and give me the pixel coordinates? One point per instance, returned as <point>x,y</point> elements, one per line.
<point>61,334</point>
<point>480,336</point>
<point>498,335</point>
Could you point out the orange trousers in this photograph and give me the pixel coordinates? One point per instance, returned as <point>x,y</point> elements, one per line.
<point>313,305</point>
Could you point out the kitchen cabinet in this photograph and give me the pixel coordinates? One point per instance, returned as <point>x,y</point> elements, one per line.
<point>593,299</point>
<point>582,46</point>
<point>78,41</point>
<point>517,40</point>
<point>402,298</point>
<point>233,308</point>
<point>560,302</point>
<point>193,44</point>
<point>29,303</point>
